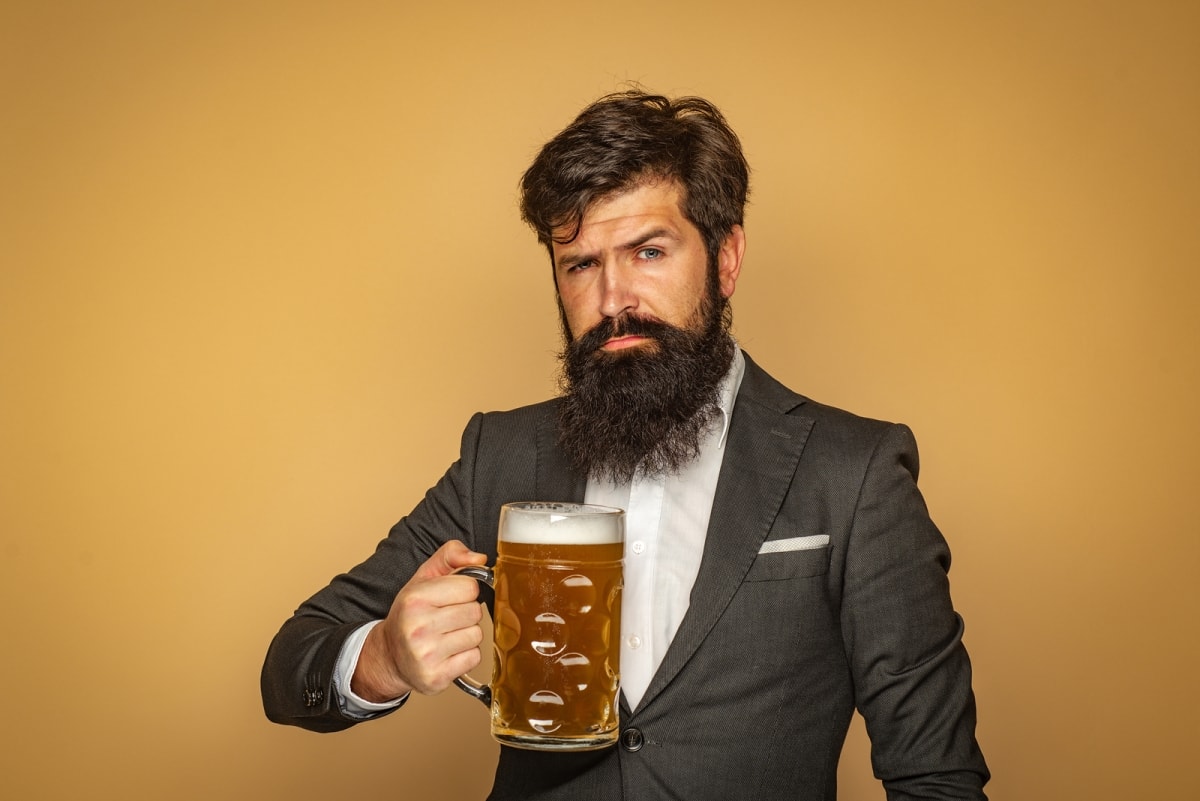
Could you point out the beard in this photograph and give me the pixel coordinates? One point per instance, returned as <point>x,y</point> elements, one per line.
<point>646,408</point>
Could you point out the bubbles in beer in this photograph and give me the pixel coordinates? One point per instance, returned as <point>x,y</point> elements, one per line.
<point>576,670</point>
<point>548,704</point>
<point>507,627</point>
<point>557,608</point>
<point>558,587</point>
<point>549,635</point>
<point>578,594</point>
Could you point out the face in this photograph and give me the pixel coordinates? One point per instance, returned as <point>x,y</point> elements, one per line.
<point>637,255</point>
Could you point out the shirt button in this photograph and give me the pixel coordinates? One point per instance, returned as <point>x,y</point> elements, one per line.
<point>638,547</point>
<point>632,740</point>
<point>635,642</point>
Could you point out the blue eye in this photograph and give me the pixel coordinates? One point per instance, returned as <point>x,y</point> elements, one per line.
<point>651,253</point>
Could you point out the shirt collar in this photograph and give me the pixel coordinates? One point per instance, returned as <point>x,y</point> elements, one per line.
<point>729,390</point>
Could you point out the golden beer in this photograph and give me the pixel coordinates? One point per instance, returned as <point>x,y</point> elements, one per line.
<point>556,659</point>
<point>556,626</point>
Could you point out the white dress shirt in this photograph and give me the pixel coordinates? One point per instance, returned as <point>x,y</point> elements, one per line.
<point>666,521</point>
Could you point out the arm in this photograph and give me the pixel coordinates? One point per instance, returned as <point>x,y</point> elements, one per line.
<point>431,634</point>
<point>404,577</point>
<point>904,640</point>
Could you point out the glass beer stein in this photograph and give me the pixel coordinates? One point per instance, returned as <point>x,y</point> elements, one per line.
<point>556,626</point>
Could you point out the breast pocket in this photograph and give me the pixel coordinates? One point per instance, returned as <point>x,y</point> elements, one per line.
<point>782,565</point>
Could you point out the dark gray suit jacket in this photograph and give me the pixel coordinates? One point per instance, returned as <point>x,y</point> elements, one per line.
<point>755,694</point>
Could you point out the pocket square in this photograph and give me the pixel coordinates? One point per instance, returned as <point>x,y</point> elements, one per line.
<point>795,544</point>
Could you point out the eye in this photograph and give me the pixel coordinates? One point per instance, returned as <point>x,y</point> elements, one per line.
<point>650,254</point>
<point>577,266</point>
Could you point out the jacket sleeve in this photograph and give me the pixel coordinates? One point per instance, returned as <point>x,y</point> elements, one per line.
<point>903,639</point>
<point>297,675</point>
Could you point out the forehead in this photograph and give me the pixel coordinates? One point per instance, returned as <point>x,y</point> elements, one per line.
<point>659,201</point>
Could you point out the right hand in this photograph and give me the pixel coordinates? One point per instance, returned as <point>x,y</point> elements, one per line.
<point>431,635</point>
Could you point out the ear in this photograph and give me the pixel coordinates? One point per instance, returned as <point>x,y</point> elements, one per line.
<point>729,260</point>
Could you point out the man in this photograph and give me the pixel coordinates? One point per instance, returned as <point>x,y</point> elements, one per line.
<point>781,567</point>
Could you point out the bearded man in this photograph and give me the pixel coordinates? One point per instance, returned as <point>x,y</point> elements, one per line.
<point>781,567</point>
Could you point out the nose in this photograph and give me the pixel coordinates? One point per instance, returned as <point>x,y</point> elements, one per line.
<point>616,292</point>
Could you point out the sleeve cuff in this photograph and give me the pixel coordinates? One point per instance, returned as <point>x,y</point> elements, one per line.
<point>353,706</point>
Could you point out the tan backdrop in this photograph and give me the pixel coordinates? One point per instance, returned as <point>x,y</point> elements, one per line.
<point>260,261</point>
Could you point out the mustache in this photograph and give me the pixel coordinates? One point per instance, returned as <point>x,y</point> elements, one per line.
<point>625,325</point>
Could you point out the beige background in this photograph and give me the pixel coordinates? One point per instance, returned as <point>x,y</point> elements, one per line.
<point>260,261</point>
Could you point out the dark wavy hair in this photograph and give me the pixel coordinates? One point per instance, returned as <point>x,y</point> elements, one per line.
<point>625,139</point>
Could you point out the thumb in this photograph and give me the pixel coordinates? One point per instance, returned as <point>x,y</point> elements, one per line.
<point>445,560</point>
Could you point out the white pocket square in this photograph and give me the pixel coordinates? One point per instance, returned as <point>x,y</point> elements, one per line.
<point>795,544</point>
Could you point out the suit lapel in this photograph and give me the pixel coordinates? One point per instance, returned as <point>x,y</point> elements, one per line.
<point>763,449</point>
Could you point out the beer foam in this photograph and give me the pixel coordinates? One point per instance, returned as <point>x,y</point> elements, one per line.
<point>562,523</point>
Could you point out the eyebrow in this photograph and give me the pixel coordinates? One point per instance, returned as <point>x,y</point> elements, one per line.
<point>661,232</point>
<point>653,233</point>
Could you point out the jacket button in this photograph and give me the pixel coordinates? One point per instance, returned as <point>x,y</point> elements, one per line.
<point>632,740</point>
<point>313,697</point>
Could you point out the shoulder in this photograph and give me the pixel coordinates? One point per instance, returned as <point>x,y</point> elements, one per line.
<point>761,389</point>
<point>510,434</point>
<point>522,421</point>
<point>832,432</point>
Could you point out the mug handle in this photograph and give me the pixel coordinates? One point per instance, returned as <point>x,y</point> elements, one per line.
<point>465,683</point>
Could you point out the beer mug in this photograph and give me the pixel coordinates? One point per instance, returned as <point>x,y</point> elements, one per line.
<point>556,626</point>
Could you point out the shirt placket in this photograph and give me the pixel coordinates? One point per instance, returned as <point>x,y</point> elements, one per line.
<point>640,649</point>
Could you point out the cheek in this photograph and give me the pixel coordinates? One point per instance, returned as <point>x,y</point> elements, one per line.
<point>573,313</point>
<point>687,304</point>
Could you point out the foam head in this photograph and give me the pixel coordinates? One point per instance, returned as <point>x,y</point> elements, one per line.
<point>548,522</point>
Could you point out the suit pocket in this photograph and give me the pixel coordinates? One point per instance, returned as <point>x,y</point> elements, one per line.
<point>790,564</point>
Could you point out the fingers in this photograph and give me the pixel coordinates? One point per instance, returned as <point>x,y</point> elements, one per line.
<point>434,632</point>
<point>447,559</point>
<point>418,647</point>
<point>438,655</point>
<point>431,635</point>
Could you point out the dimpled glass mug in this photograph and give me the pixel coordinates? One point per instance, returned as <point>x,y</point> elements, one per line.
<point>556,626</point>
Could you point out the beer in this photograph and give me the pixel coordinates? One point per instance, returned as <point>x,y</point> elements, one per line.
<point>556,626</point>
<point>554,668</point>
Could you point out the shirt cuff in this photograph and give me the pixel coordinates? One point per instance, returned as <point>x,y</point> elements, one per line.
<point>353,706</point>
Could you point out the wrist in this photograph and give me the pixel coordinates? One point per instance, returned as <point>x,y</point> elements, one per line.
<point>375,677</point>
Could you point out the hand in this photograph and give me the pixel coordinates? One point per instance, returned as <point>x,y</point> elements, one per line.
<point>431,635</point>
